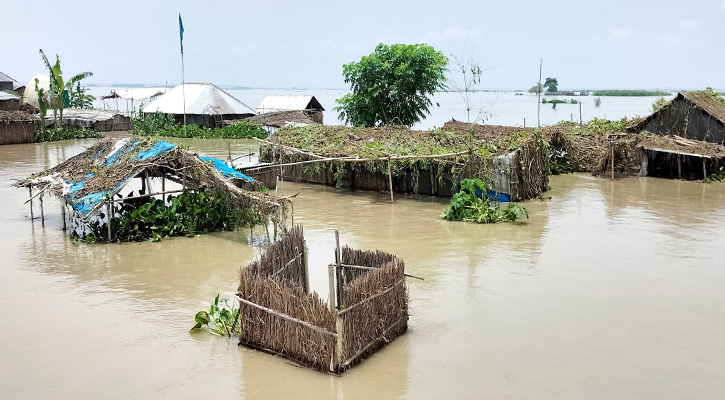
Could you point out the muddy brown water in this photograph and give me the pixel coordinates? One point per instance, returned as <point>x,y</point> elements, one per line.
<point>610,290</point>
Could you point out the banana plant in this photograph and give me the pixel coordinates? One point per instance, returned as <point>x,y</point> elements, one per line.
<point>58,86</point>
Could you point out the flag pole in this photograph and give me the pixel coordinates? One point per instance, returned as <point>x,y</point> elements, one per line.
<point>183,85</point>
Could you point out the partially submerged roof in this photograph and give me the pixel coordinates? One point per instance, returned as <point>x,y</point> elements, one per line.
<point>7,96</point>
<point>136,94</point>
<point>101,171</point>
<point>700,99</point>
<point>5,78</point>
<point>201,99</point>
<point>282,118</point>
<point>289,103</point>
<point>84,117</point>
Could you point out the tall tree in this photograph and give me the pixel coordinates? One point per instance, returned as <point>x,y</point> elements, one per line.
<point>470,72</point>
<point>551,84</point>
<point>392,85</point>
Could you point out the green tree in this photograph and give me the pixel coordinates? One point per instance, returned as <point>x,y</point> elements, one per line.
<point>536,88</point>
<point>58,86</point>
<point>551,84</point>
<point>392,85</point>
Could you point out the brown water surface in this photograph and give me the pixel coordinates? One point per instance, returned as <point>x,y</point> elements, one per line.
<point>610,290</point>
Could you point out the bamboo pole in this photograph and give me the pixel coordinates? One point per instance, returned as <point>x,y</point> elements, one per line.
<point>372,268</point>
<point>704,169</point>
<point>679,171</point>
<point>42,212</point>
<point>390,182</point>
<point>62,213</point>
<point>612,161</point>
<point>30,189</point>
<point>109,219</point>
<point>307,267</point>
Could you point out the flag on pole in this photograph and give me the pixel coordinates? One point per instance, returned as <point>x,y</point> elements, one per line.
<point>181,34</point>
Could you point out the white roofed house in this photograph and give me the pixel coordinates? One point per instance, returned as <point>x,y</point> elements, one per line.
<point>306,103</point>
<point>206,105</point>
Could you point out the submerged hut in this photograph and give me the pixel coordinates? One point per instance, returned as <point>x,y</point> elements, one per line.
<point>693,115</point>
<point>205,105</point>
<point>305,103</point>
<point>272,121</point>
<point>396,159</point>
<point>115,176</point>
<point>138,97</point>
<point>17,127</point>
<point>9,102</point>
<point>97,120</point>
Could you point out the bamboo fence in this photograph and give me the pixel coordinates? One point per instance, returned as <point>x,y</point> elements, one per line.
<point>368,306</point>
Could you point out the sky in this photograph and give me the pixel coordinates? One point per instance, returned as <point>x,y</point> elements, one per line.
<point>665,44</point>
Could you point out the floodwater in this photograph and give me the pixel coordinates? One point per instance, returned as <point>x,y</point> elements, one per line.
<point>610,290</point>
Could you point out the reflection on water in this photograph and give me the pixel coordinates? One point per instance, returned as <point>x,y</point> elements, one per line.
<point>610,290</point>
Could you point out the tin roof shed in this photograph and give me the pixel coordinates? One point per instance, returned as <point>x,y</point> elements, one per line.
<point>201,99</point>
<point>289,103</point>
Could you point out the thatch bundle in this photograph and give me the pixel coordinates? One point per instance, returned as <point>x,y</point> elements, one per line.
<point>374,304</point>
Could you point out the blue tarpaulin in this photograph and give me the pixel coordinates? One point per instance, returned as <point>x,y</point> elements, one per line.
<point>116,157</point>
<point>155,150</point>
<point>226,170</point>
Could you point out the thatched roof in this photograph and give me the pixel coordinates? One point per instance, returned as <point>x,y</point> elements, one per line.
<point>699,99</point>
<point>682,145</point>
<point>18,116</point>
<point>101,171</point>
<point>282,118</point>
<point>486,132</point>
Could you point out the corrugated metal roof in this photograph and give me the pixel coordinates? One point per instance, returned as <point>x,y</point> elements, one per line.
<point>201,98</point>
<point>289,103</point>
<point>5,78</point>
<point>136,94</point>
<point>7,96</point>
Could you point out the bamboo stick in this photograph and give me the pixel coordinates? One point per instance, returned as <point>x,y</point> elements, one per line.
<point>371,268</point>
<point>62,213</point>
<point>30,189</point>
<point>347,309</point>
<point>42,212</point>
<point>287,317</point>
<point>390,181</point>
<point>109,219</point>
<point>612,161</point>
<point>288,264</point>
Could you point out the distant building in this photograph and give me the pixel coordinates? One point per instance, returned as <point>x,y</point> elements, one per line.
<point>6,82</point>
<point>206,105</point>
<point>9,102</point>
<point>306,103</point>
<point>692,115</point>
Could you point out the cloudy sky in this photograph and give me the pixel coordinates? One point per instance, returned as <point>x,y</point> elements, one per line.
<point>664,44</point>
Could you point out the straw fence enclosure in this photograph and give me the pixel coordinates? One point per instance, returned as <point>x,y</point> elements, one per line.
<point>279,315</point>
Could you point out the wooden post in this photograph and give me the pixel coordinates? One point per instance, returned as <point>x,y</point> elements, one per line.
<point>30,189</point>
<point>109,219</point>
<point>338,269</point>
<point>524,122</point>
<point>331,277</point>
<point>612,161</point>
<point>679,169</point>
<point>307,267</point>
<point>62,213</point>
<point>580,113</point>
<point>390,182</point>
<point>704,169</point>
<point>42,214</point>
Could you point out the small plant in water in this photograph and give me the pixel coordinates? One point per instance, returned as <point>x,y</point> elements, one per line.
<point>218,320</point>
<point>467,205</point>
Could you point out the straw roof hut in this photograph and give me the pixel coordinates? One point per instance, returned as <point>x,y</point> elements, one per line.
<point>306,103</point>
<point>17,127</point>
<point>693,115</point>
<point>205,105</point>
<point>114,171</point>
